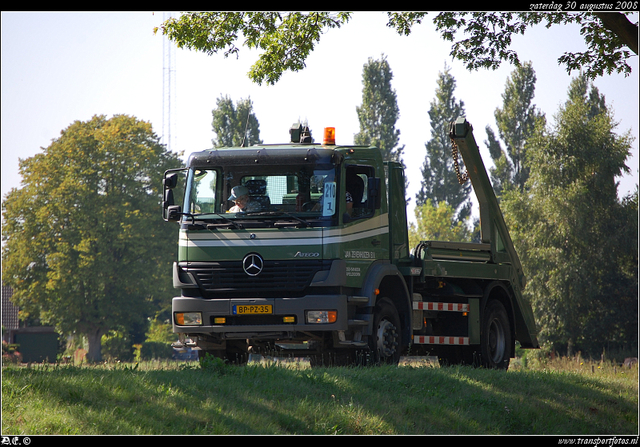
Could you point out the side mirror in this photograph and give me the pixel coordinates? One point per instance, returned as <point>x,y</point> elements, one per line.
<point>170,181</point>
<point>170,211</point>
<point>168,198</point>
<point>173,213</point>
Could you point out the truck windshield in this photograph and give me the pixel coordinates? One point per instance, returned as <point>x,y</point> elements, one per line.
<point>305,194</point>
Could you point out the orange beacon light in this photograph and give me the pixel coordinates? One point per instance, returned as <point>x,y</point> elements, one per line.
<point>329,135</point>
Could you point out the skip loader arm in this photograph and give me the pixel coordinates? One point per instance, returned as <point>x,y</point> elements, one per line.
<point>493,228</point>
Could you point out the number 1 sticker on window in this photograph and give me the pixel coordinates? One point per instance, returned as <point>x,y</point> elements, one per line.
<point>329,199</point>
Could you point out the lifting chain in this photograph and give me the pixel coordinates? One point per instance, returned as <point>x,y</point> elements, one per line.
<point>464,176</point>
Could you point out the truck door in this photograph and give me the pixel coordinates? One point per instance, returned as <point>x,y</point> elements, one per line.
<point>365,229</point>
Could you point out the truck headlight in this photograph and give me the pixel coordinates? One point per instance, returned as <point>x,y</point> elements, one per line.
<point>188,318</point>
<point>321,316</point>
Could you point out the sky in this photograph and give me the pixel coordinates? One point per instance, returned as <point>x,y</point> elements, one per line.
<point>58,68</point>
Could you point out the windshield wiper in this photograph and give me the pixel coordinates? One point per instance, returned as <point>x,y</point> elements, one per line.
<point>210,225</point>
<point>278,213</point>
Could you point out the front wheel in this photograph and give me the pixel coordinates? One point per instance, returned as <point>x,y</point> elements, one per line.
<point>385,341</point>
<point>495,337</point>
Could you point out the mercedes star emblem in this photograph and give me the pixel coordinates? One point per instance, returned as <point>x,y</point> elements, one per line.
<point>252,264</point>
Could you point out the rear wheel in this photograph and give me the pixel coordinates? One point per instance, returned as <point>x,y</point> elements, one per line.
<point>385,341</point>
<point>495,338</point>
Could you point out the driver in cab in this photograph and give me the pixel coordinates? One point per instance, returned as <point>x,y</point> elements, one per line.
<point>243,203</point>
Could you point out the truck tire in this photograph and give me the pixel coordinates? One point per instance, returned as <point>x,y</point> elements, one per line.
<point>385,342</point>
<point>495,338</point>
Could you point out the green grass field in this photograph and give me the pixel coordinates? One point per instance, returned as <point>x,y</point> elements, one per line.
<point>560,397</point>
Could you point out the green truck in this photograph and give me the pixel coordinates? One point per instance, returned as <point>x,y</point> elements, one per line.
<point>318,264</point>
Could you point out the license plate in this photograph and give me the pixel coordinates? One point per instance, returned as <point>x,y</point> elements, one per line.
<point>252,309</point>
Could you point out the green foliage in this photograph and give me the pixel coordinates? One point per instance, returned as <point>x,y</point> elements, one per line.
<point>84,247</point>
<point>606,50</point>
<point>116,346</point>
<point>151,350</point>
<point>481,49</point>
<point>516,121</point>
<point>379,111</point>
<point>235,124</point>
<point>285,40</point>
<point>437,223</point>
<point>489,39</point>
<point>10,353</point>
<point>215,365</point>
<point>577,241</point>
<point>439,181</point>
<point>160,331</point>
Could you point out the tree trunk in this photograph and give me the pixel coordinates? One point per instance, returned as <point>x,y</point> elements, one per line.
<point>622,27</point>
<point>95,345</point>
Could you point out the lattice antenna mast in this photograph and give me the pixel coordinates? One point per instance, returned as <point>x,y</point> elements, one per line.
<point>168,90</point>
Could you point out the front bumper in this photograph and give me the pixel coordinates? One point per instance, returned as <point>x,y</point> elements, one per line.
<point>236,326</point>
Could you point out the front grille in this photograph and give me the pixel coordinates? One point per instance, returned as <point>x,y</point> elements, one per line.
<point>281,278</point>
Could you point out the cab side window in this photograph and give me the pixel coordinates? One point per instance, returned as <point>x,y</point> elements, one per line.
<point>357,184</point>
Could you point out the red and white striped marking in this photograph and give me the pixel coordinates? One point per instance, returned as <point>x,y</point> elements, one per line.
<point>452,307</point>
<point>431,340</point>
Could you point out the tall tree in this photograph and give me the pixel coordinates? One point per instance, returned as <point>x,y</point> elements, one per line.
<point>516,121</point>
<point>285,40</point>
<point>439,180</point>
<point>235,124</point>
<point>85,248</point>
<point>379,111</point>
<point>577,240</point>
